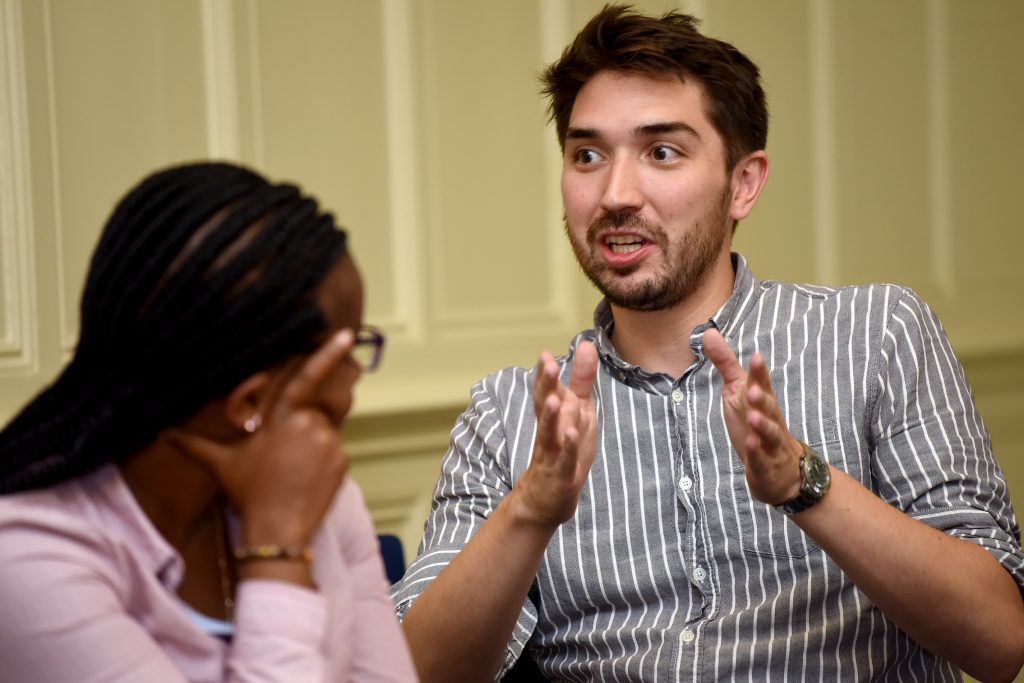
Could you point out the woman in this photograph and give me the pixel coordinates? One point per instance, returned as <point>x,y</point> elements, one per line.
<point>175,505</point>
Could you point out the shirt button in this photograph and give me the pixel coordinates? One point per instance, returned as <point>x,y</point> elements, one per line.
<point>700,574</point>
<point>686,483</point>
<point>677,395</point>
<point>688,636</point>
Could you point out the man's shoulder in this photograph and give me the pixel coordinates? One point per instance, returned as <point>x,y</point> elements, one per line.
<point>818,291</point>
<point>872,299</point>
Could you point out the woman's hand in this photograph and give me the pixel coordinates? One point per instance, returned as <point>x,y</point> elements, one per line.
<point>282,477</point>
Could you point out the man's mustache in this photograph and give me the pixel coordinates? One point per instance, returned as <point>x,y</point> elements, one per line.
<point>623,219</point>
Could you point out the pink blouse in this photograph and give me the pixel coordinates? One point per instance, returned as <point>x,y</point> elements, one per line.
<point>87,589</point>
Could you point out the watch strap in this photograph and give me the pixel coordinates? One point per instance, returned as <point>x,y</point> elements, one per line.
<point>814,482</point>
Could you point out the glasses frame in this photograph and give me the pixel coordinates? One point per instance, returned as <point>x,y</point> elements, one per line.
<point>370,336</point>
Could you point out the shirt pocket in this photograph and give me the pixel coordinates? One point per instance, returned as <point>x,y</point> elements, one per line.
<point>765,531</point>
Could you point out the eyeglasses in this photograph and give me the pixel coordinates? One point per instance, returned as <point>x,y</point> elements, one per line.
<point>368,348</point>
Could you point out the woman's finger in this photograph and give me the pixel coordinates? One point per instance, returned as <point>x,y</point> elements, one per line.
<point>301,389</point>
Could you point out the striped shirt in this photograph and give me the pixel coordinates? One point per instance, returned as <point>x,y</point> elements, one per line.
<point>670,570</point>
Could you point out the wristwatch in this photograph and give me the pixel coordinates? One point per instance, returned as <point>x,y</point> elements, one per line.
<point>816,478</point>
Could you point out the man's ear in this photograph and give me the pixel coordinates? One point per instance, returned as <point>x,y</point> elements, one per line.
<point>748,179</point>
<point>243,407</point>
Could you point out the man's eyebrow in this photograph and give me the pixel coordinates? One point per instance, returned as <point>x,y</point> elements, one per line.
<point>581,133</point>
<point>645,130</point>
<point>666,127</point>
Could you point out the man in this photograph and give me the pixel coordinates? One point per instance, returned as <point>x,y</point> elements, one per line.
<point>646,509</point>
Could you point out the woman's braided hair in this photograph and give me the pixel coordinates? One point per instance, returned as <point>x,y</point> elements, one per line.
<point>204,274</point>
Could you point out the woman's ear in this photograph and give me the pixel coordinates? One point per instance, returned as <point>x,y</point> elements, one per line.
<point>244,406</point>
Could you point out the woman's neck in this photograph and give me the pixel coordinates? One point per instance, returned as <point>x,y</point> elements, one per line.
<point>184,504</point>
<point>174,492</point>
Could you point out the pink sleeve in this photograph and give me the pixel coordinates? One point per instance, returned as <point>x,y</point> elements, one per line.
<point>282,630</point>
<point>379,649</point>
<point>279,633</point>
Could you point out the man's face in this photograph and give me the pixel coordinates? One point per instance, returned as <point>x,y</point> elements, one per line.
<point>646,192</point>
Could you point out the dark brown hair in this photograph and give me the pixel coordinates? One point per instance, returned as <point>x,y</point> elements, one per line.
<point>620,39</point>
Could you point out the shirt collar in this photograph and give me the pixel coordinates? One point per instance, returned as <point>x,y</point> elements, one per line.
<point>122,513</point>
<point>742,300</point>
<point>745,288</point>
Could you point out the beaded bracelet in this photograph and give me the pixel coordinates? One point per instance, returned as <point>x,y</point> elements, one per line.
<point>271,551</point>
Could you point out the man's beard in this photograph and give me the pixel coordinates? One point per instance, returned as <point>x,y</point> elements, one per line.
<point>685,268</point>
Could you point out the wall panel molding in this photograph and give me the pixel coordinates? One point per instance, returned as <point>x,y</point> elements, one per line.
<point>220,76</point>
<point>555,29</point>
<point>18,343</point>
<point>396,461</point>
<point>940,180</point>
<point>823,134</point>
<point>405,190</point>
<point>250,67</point>
<point>499,317</point>
<point>68,333</point>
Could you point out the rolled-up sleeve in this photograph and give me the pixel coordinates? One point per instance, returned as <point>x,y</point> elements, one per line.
<point>933,454</point>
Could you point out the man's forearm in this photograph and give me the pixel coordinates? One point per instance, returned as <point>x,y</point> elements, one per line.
<point>946,593</point>
<point>459,627</point>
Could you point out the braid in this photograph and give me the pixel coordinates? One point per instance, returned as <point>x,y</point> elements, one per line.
<point>142,240</point>
<point>204,274</point>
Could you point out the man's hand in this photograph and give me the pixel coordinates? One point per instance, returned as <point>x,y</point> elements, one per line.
<point>770,454</point>
<point>566,440</point>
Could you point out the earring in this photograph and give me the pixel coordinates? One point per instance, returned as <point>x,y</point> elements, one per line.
<point>253,423</point>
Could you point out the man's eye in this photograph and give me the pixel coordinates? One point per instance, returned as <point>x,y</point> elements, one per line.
<point>662,153</point>
<point>586,156</point>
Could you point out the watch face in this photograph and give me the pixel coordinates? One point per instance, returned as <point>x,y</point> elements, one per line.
<point>816,479</point>
<point>817,476</point>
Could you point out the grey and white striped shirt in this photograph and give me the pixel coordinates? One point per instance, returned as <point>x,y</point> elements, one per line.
<point>669,570</point>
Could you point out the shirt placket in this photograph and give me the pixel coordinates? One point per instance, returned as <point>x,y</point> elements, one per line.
<point>687,494</point>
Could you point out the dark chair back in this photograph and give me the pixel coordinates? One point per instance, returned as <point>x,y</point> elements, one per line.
<point>394,558</point>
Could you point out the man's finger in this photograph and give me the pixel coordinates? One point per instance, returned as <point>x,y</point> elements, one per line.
<point>570,451</point>
<point>301,389</point>
<point>768,431</point>
<point>759,372</point>
<point>717,349</point>
<point>547,426</point>
<point>584,370</point>
<point>544,381</point>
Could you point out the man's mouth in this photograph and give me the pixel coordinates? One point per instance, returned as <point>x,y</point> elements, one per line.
<point>624,244</point>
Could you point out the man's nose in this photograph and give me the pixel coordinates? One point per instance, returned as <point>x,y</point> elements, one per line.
<point>623,187</point>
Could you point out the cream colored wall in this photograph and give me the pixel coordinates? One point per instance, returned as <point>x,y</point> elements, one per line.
<point>896,147</point>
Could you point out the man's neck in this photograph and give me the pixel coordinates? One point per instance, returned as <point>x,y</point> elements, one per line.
<point>659,341</point>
